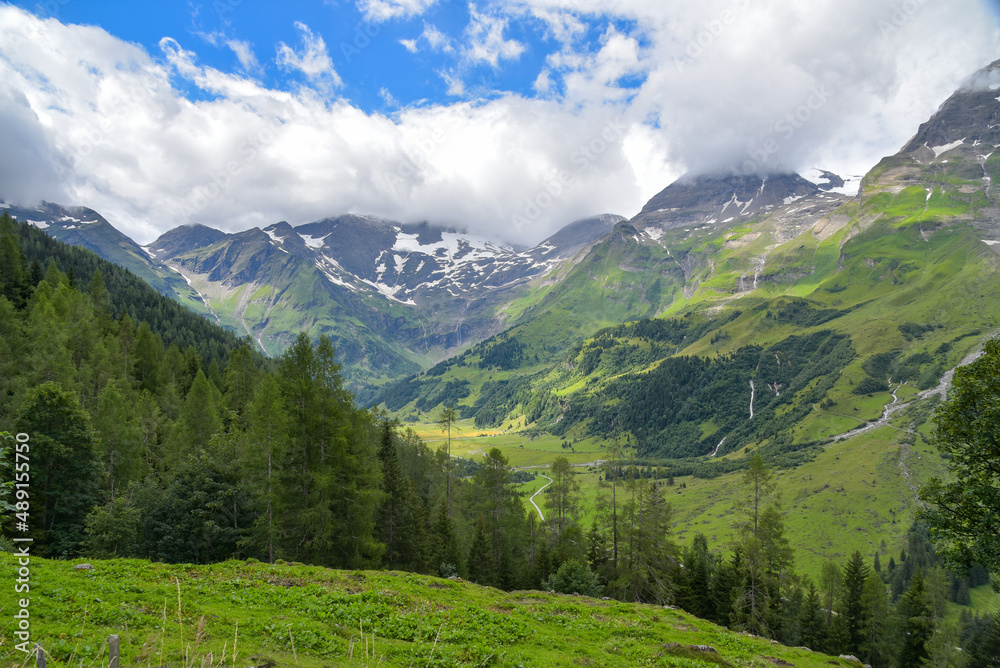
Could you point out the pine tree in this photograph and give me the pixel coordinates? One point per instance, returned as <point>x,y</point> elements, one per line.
<point>561,499</point>
<point>394,522</point>
<point>446,556</point>
<point>482,565</point>
<point>64,466</point>
<point>697,598</point>
<point>916,622</point>
<point>241,379</point>
<point>264,459</point>
<point>855,574</point>
<point>760,540</point>
<point>118,438</point>
<point>13,270</point>
<point>447,421</point>
<point>812,620</point>
<point>876,628</point>
<point>198,420</point>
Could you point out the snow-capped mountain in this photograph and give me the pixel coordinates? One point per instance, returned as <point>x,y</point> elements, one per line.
<point>407,264</point>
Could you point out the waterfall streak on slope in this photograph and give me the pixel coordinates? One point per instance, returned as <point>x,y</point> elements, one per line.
<point>752,391</point>
<point>716,451</point>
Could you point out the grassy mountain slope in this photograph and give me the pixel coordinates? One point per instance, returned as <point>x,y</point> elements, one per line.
<point>230,273</point>
<point>277,615</point>
<point>901,274</point>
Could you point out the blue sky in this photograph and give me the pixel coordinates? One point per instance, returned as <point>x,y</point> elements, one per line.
<point>507,118</point>
<point>366,51</point>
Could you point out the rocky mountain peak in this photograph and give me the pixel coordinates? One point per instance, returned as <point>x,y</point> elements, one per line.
<point>721,198</point>
<point>971,115</point>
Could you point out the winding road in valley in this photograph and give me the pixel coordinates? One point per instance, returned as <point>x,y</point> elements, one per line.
<point>532,499</point>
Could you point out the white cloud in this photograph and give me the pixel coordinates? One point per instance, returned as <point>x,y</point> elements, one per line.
<point>244,53</point>
<point>313,61</point>
<point>436,40</point>
<point>383,10</point>
<point>387,97</point>
<point>486,40</point>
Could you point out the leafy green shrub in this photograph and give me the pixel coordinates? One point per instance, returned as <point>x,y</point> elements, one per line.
<point>871,385</point>
<point>574,577</point>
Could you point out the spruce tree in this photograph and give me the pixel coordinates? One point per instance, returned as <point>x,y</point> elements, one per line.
<point>266,455</point>
<point>855,574</point>
<point>446,557</point>
<point>482,564</point>
<point>64,467</point>
<point>877,629</point>
<point>812,620</point>
<point>393,522</point>
<point>916,622</point>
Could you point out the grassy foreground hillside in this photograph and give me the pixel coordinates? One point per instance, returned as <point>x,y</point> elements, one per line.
<point>254,614</point>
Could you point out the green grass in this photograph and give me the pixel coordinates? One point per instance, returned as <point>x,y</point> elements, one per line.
<point>248,613</point>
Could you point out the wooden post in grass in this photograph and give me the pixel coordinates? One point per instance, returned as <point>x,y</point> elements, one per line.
<point>113,645</point>
<point>39,656</point>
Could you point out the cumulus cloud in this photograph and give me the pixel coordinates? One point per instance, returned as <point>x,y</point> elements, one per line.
<point>631,95</point>
<point>434,38</point>
<point>486,39</point>
<point>383,10</point>
<point>244,53</point>
<point>313,60</point>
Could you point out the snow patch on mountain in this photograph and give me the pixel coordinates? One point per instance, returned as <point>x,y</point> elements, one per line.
<point>314,242</point>
<point>938,150</point>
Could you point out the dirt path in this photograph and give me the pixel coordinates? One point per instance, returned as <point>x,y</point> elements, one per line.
<point>904,454</point>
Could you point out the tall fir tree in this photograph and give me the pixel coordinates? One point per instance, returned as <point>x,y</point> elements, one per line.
<point>916,622</point>
<point>855,574</point>
<point>64,465</point>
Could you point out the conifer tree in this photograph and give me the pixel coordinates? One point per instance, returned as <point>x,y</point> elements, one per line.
<point>393,517</point>
<point>264,459</point>
<point>696,597</point>
<point>812,620</point>
<point>561,498</point>
<point>876,620</point>
<point>241,379</point>
<point>198,420</point>
<point>764,552</point>
<point>118,438</point>
<point>855,574</point>
<point>482,565</point>
<point>916,622</point>
<point>64,466</point>
<point>446,556</point>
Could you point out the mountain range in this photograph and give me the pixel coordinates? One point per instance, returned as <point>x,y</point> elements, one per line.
<point>894,284</point>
